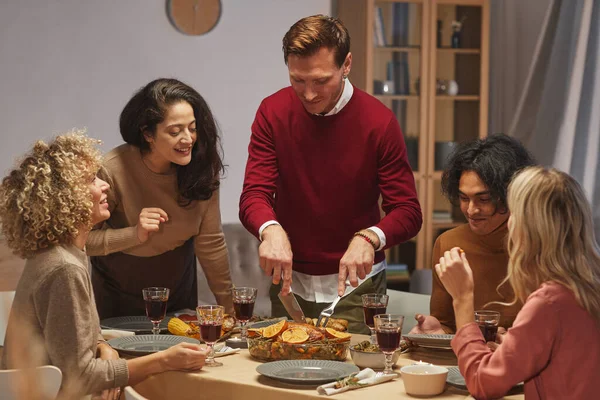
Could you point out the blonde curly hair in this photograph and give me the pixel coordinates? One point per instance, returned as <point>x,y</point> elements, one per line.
<point>46,200</point>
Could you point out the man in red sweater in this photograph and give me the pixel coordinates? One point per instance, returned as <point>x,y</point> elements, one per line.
<point>320,155</point>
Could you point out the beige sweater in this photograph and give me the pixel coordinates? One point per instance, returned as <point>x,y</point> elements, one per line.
<point>133,187</point>
<point>53,320</point>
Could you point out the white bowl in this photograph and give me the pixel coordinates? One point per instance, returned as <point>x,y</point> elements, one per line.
<point>369,359</point>
<point>424,379</point>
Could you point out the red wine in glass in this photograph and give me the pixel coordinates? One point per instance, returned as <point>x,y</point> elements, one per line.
<point>372,310</point>
<point>489,331</point>
<point>388,339</point>
<point>210,333</point>
<point>243,310</point>
<point>156,309</point>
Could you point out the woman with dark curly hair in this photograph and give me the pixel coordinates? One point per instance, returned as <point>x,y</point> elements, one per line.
<point>48,205</point>
<point>476,177</point>
<point>164,204</point>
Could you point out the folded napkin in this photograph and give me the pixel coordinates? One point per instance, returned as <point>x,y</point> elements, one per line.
<point>364,378</point>
<point>108,334</point>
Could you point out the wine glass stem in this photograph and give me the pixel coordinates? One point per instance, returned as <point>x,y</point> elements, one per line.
<point>388,363</point>
<point>211,353</point>
<point>244,330</point>
<point>156,328</point>
<point>373,337</point>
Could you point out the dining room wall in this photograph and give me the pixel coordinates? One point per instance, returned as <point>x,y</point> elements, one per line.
<point>75,63</point>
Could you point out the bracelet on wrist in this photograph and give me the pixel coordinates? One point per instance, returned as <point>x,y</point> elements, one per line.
<point>367,238</point>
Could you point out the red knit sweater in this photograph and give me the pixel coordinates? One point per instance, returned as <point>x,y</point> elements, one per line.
<point>321,177</point>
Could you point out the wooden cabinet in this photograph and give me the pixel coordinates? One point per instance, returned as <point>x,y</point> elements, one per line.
<point>412,56</point>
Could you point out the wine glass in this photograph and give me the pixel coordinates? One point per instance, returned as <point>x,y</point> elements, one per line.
<point>243,305</point>
<point>388,328</point>
<point>210,319</point>
<point>373,304</point>
<point>155,299</point>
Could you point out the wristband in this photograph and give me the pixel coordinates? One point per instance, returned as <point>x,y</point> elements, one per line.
<point>367,238</point>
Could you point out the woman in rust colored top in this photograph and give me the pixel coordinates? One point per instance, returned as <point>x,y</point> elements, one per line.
<point>554,268</point>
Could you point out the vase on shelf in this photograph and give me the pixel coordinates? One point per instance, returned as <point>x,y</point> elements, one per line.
<point>455,40</point>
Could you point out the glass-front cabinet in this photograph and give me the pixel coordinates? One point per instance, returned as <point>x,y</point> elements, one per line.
<point>426,60</point>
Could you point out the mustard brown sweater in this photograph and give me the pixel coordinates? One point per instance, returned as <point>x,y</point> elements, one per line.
<point>124,265</point>
<point>54,321</point>
<point>488,259</point>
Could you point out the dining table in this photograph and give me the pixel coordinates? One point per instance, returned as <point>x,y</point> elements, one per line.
<point>238,379</point>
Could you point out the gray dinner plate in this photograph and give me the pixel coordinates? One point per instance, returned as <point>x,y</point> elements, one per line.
<point>306,372</point>
<point>140,345</point>
<point>138,324</point>
<point>432,341</point>
<point>455,378</point>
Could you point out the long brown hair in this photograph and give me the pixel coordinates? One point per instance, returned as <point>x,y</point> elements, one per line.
<point>147,108</point>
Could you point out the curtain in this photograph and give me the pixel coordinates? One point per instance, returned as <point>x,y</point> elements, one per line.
<point>558,113</point>
<point>515,26</point>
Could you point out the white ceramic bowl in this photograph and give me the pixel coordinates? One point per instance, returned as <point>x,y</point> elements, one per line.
<point>424,379</point>
<point>367,359</point>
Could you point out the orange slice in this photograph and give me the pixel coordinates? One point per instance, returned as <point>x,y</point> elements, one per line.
<point>335,334</point>
<point>275,329</point>
<point>255,332</point>
<point>295,336</point>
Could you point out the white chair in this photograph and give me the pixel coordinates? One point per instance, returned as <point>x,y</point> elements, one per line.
<point>44,380</point>
<point>131,394</point>
<point>407,304</point>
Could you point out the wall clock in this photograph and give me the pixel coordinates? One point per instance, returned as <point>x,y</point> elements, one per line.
<point>194,17</point>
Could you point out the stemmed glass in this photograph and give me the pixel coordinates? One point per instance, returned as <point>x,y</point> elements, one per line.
<point>388,328</point>
<point>210,319</point>
<point>373,304</point>
<point>155,299</point>
<point>243,305</point>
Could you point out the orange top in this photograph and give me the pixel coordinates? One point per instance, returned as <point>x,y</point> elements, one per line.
<point>488,259</point>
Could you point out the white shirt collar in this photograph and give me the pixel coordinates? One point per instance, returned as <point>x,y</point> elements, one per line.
<point>344,99</point>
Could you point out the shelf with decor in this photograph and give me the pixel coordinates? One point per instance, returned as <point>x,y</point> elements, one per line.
<point>428,61</point>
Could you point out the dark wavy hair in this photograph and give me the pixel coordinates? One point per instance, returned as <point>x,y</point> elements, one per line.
<point>147,108</point>
<point>496,159</point>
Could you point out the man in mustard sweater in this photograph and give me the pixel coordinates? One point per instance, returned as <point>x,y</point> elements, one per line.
<point>476,178</point>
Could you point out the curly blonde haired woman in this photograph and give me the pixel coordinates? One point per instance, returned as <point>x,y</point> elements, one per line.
<point>48,205</point>
<point>554,268</point>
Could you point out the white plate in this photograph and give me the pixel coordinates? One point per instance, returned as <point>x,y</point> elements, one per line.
<point>306,372</point>
<point>140,345</point>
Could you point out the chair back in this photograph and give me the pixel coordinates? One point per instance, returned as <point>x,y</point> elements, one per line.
<point>44,380</point>
<point>407,304</point>
<point>131,394</point>
<point>421,281</point>
<point>244,266</point>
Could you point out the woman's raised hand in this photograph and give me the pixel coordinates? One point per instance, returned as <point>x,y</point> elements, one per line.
<point>149,221</point>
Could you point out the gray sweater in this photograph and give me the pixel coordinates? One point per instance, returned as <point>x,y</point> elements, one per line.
<point>54,321</point>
